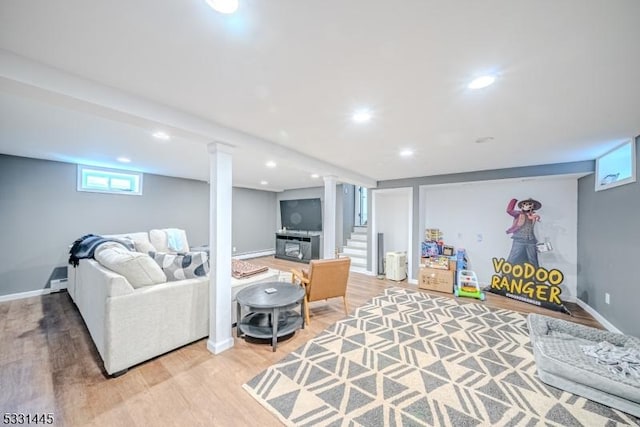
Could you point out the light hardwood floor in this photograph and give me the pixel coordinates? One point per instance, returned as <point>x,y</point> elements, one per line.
<point>48,363</point>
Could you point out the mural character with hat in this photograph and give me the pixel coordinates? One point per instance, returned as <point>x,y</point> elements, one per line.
<point>520,276</point>
<point>523,248</point>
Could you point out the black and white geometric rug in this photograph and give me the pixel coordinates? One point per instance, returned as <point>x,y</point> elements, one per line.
<point>411,359</point>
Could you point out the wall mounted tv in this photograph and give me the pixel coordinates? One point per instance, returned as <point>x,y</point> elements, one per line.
<point>301,214</point>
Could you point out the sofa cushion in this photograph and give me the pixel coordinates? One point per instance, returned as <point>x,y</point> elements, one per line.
<point>139,269</point>
<point>182,266</point>
<point>138,242</point>
<point>144,246</point>
<point>169,240</point>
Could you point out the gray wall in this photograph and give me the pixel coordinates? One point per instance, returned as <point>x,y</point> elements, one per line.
<point>254,221</point>
<point>415,183</point>
<point>608,250</point>
<point>41,214</point>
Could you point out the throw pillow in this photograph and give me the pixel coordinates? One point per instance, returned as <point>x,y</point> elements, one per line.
<point>140,241</point>
<point>144,246</point>
<point>169,240</point>
<point>135,237</point>
<point>182,266</point>
<point>139,269</point>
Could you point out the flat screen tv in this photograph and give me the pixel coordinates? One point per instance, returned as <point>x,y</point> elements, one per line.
<point>301,214</point>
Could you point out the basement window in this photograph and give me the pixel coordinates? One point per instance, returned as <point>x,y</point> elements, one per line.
<point>102,180</point>
<point>616,167</point>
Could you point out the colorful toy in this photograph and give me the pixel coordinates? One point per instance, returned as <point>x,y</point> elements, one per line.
<point>467,285</point>
<point>429,249</point>
<point>461,259</point>
<point>432,234</point>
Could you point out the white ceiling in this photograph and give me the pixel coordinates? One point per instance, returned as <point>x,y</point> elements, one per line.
<point>292,72</point>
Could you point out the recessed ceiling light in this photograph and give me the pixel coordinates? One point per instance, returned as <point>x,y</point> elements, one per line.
<point>162,135</point>
<point>223,6</point>
<point>124,160</point>
<point>484,139</point>
<point>361,116</point>
<point>315,176</point>
<point>481,82</point>
<point>264,183</point>
<point>271,164</point>
<point>406,153</point>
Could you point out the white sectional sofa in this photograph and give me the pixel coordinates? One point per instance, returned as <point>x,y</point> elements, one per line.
<point>129,324</point>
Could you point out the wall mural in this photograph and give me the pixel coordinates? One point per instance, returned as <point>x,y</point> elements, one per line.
<point>520,276</point>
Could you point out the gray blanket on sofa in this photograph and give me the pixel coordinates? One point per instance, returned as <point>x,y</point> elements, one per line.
<point>85,246</point>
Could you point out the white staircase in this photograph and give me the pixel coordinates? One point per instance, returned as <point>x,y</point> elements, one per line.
<point>356,249</point>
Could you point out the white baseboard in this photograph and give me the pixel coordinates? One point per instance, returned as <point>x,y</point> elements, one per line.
<point>219,347</point>
<point>248,255</point>
<point>412,281</point>
<point>363,271</point>
<point>604,322</point>
<point>21,295</point>
<point>58,284</point>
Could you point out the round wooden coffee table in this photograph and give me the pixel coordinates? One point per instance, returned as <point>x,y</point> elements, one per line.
<point>270,315</point>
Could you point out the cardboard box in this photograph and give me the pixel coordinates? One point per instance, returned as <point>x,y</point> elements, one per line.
<point>426,262</point>
<point>435,279</point>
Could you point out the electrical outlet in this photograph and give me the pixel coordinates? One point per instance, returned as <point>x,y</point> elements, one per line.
<point>607,300</point>
<point>234,249</point>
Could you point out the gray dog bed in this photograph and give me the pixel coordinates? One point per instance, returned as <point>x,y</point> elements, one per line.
<point>581,360</point>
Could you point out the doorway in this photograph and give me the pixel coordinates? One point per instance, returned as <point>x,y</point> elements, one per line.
<point>392,215</point>
<point>361,214</point>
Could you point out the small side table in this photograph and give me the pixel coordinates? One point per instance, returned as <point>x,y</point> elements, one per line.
<point>270,315</point>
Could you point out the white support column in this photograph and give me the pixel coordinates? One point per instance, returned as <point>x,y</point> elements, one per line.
<point>220,188</point>
<point>329,223</point>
